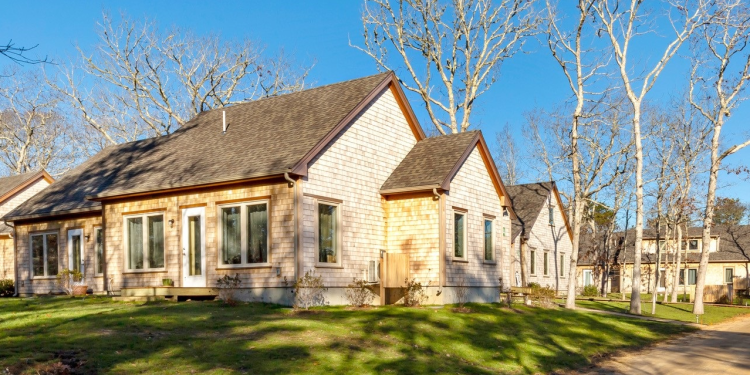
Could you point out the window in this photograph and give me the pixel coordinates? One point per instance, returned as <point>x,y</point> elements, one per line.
<point>489,253</point>
<point>459,235</point>
<point>329,233</point>
<point>562,265</point>
<point>145,242</point>
<point>587,280</point>
<point>693,245</point>
<point>692,276</point>
<point>44,260</point>
<point>546,263</point>
<point>552,215</point>
<point>244,234</point>
<point>532,260</point>
<point>99,251</point>
<point>728,275</point>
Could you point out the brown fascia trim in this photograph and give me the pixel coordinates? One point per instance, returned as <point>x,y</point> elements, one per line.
<point>101,198</point>
<point>562,211</point>
<point>391,82</point>
<point>413,189</point>
<point>478,141</point>
<point>57,215</point>
<point>28,182</point>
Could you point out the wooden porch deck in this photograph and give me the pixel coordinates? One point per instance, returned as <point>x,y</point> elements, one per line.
<point>164,292</point>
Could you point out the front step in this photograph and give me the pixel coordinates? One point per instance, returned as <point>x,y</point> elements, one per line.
<point>139,299</point>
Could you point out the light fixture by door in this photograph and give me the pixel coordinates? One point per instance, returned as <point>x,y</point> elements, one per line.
<point>171,223</point>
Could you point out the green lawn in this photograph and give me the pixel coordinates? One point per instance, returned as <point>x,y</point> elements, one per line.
<point>208,337</point>
<point>682,311</point>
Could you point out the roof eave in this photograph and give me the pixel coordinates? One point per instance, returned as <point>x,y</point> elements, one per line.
<point>411,189</point>
<point>52,214</point>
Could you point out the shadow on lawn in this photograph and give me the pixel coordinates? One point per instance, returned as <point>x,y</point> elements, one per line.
<point>258,338</point>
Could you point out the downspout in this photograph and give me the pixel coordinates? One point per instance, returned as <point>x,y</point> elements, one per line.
<point>15,263</point>
<point>294,223</point>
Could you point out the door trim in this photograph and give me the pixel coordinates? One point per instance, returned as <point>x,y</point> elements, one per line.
<point>193,281</point>
<point>71,233</point>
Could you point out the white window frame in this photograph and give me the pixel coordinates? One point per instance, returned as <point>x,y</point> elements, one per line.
<point>82,250</point>
<point>146,266</point>
<point>96,255</point>
<point>725,275</point>
<point>339,235</point>
<point>44,257</point>
<point>591,277</point>
<point>493,260</point>
<point>562,265</point>
<point>686,276</point>
<point>545,263</point>
<point>532,262</point>
<point>465,214</point>
<point>243,234</point>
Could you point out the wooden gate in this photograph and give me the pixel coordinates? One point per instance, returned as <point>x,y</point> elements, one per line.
<point>396,270</point>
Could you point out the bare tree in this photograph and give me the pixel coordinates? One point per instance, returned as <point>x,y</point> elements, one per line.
<point>623,22</point>
<point>19,54</point>
<point>720,71</point>
<point>141,81</point>
<point>463,43</point>
<point>508,157</point>
<point>34,133</point>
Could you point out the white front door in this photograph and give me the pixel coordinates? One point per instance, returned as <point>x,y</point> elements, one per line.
<point>587,278</point>
<point>75,250</point>
<point>194,247</point>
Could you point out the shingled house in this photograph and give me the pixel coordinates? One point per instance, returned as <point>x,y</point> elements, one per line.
<point>338,180</point>
<point>542,234</point>
<point>15,190</point>
<point>728,261</point>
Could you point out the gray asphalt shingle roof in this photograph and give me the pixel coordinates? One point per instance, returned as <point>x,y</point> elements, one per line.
<point>264,137</point>
<point>528,201</point>
<point>430,161</point>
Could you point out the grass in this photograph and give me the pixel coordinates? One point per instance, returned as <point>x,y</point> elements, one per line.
<point>681,312</point>
<point>208,337</point>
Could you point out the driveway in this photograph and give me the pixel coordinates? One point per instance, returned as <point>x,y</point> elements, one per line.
<point>719,349</point>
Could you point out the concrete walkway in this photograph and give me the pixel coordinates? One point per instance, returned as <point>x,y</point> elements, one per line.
<point>719,349</point>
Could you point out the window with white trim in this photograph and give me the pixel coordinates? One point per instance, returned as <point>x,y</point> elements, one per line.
<point>244,234</point>
<point>532,262</point>
<point>144,242</point>
<point>562,265</point>
<point>729,275</point>
<point>99,251</point>
<point>328,233</point>
<point>489,243</point>
<point>459,235</point>
<point>546,263</point>
<point>44,254</point>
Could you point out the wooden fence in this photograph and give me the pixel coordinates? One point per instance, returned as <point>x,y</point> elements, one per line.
<point>741,283</point>
<point>396,270</point>
<point>712,293</point>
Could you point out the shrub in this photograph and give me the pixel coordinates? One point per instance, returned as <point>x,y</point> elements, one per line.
<point>543,296</point>
<point>590,291</point>
<point>308,291</point>
<point>67,279</point>
<point>7,288</point>
<point>227,286</point>
<point>534,285</point>
<point>414,293</point>
<point>358,293</point>
<point>723,300</point>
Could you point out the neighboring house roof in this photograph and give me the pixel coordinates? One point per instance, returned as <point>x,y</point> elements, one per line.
<point>264,138</point>
<point>733,246</point>
<point>11,185</point>
<point>430,163</point>
<point>528,202</point>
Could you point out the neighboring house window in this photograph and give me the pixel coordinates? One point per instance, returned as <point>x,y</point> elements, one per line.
<point>532,260</point>
<point>546,263</point>
<point>728,275</point>
<point>459,235</point>
<point>504,234</point>
<point>489,250</point>
<point>587,278</point>
<point>692,276</point>
<point>244,233</point>
<point>99,251</point>
<point>145,241</point>
<point>329,233</point>
<point>693,245</point>
<point>44,253</point>
<point>562,265</point>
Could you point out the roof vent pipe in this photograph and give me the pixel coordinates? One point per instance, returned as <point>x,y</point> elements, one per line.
<point>224,121</point>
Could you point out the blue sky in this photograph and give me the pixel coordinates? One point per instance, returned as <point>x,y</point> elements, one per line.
<point>320,31</point>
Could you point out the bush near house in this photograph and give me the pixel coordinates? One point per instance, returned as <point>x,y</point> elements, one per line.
<point>7,288</point>
<point>590,291</point>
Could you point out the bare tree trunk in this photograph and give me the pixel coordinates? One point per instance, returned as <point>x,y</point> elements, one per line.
<point>635,294</point>
<point>676,282</point>
<point>708,221</point>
